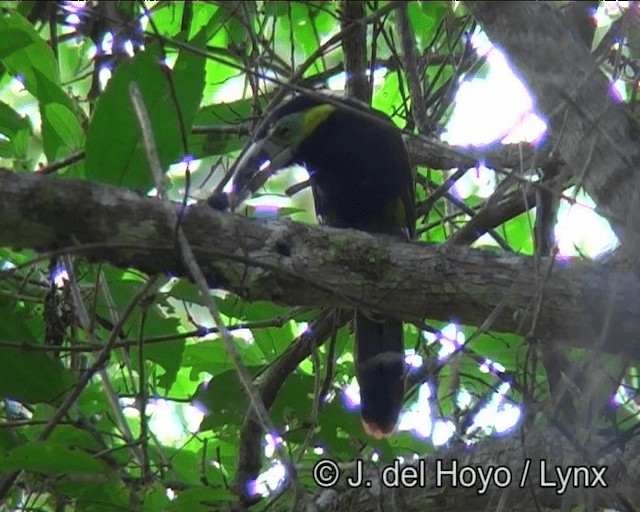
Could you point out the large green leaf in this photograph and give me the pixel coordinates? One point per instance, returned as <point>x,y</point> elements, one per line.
<point>31,376</point>
<point>30,59</point>
<point>211,356</point>
<point>114,149</point>
<point>61,132</point>
<point>23,51</point>
<point>167,354</point>
<point>51,459</point>
<point>89,497</point>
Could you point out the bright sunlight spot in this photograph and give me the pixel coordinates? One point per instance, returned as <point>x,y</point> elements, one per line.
<point>497,415</point>
<point>442,432</point>
<point>497,107</point>
<point>418,418</point>
<point>580,230</point>
<point>479,182</point>
<point>351,396</point>
<point>451,339</point>
<point>269,480</point>
<point>412,359</point>
<point>164,418</point>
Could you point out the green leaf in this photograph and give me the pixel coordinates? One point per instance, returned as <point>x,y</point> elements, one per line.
<point>28,57</point>
<point>295,398</point>
<point>184,290</point>
<point>212,357</point>
<point>168,18</point>
<point>168,355</point>
<point>61,131</point>
<point>21,377</point>
<point>155,498</point>
<point>388,99</point>
<point>14,325</point>
<point>425,17</point>
<point>275,9</point>
<point>186,464</point>
<point>518,233</point>
<point>339,427</point>
<point>24,52</point>
<point>88,497</point>
<point>51,459</point>
<point>114,149</point>
<point>74,437</point>
<point>227,22</point>
<point>224,399</point>
<point>502,347</point>
<point>11,122</point>
<point>273,340</point>
<point>188,78</point>
<point>31,376</point>
<point>17,129</point>
<point>305,34</point>
<point>234,307</point>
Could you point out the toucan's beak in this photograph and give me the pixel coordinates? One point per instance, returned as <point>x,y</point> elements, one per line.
<point>262,159</point>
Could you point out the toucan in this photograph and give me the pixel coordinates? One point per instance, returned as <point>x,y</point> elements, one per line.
<point>361,178</point>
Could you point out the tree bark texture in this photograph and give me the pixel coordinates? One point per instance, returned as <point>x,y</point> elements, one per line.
<point>297,264</point>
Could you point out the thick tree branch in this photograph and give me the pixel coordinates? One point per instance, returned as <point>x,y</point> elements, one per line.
<point>301,264</point>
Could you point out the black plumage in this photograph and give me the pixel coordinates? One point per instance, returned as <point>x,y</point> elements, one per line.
<point>361,178</point>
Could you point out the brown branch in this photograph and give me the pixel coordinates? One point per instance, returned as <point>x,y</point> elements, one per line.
<point>251,433</point>
<point>410,65</point>
<point>354,44</point>
<point>293,263</point>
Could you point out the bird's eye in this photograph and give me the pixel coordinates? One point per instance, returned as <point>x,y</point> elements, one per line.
<point>282,131</point>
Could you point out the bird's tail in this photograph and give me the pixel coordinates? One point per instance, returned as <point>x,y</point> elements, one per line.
<point>380,372</point>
